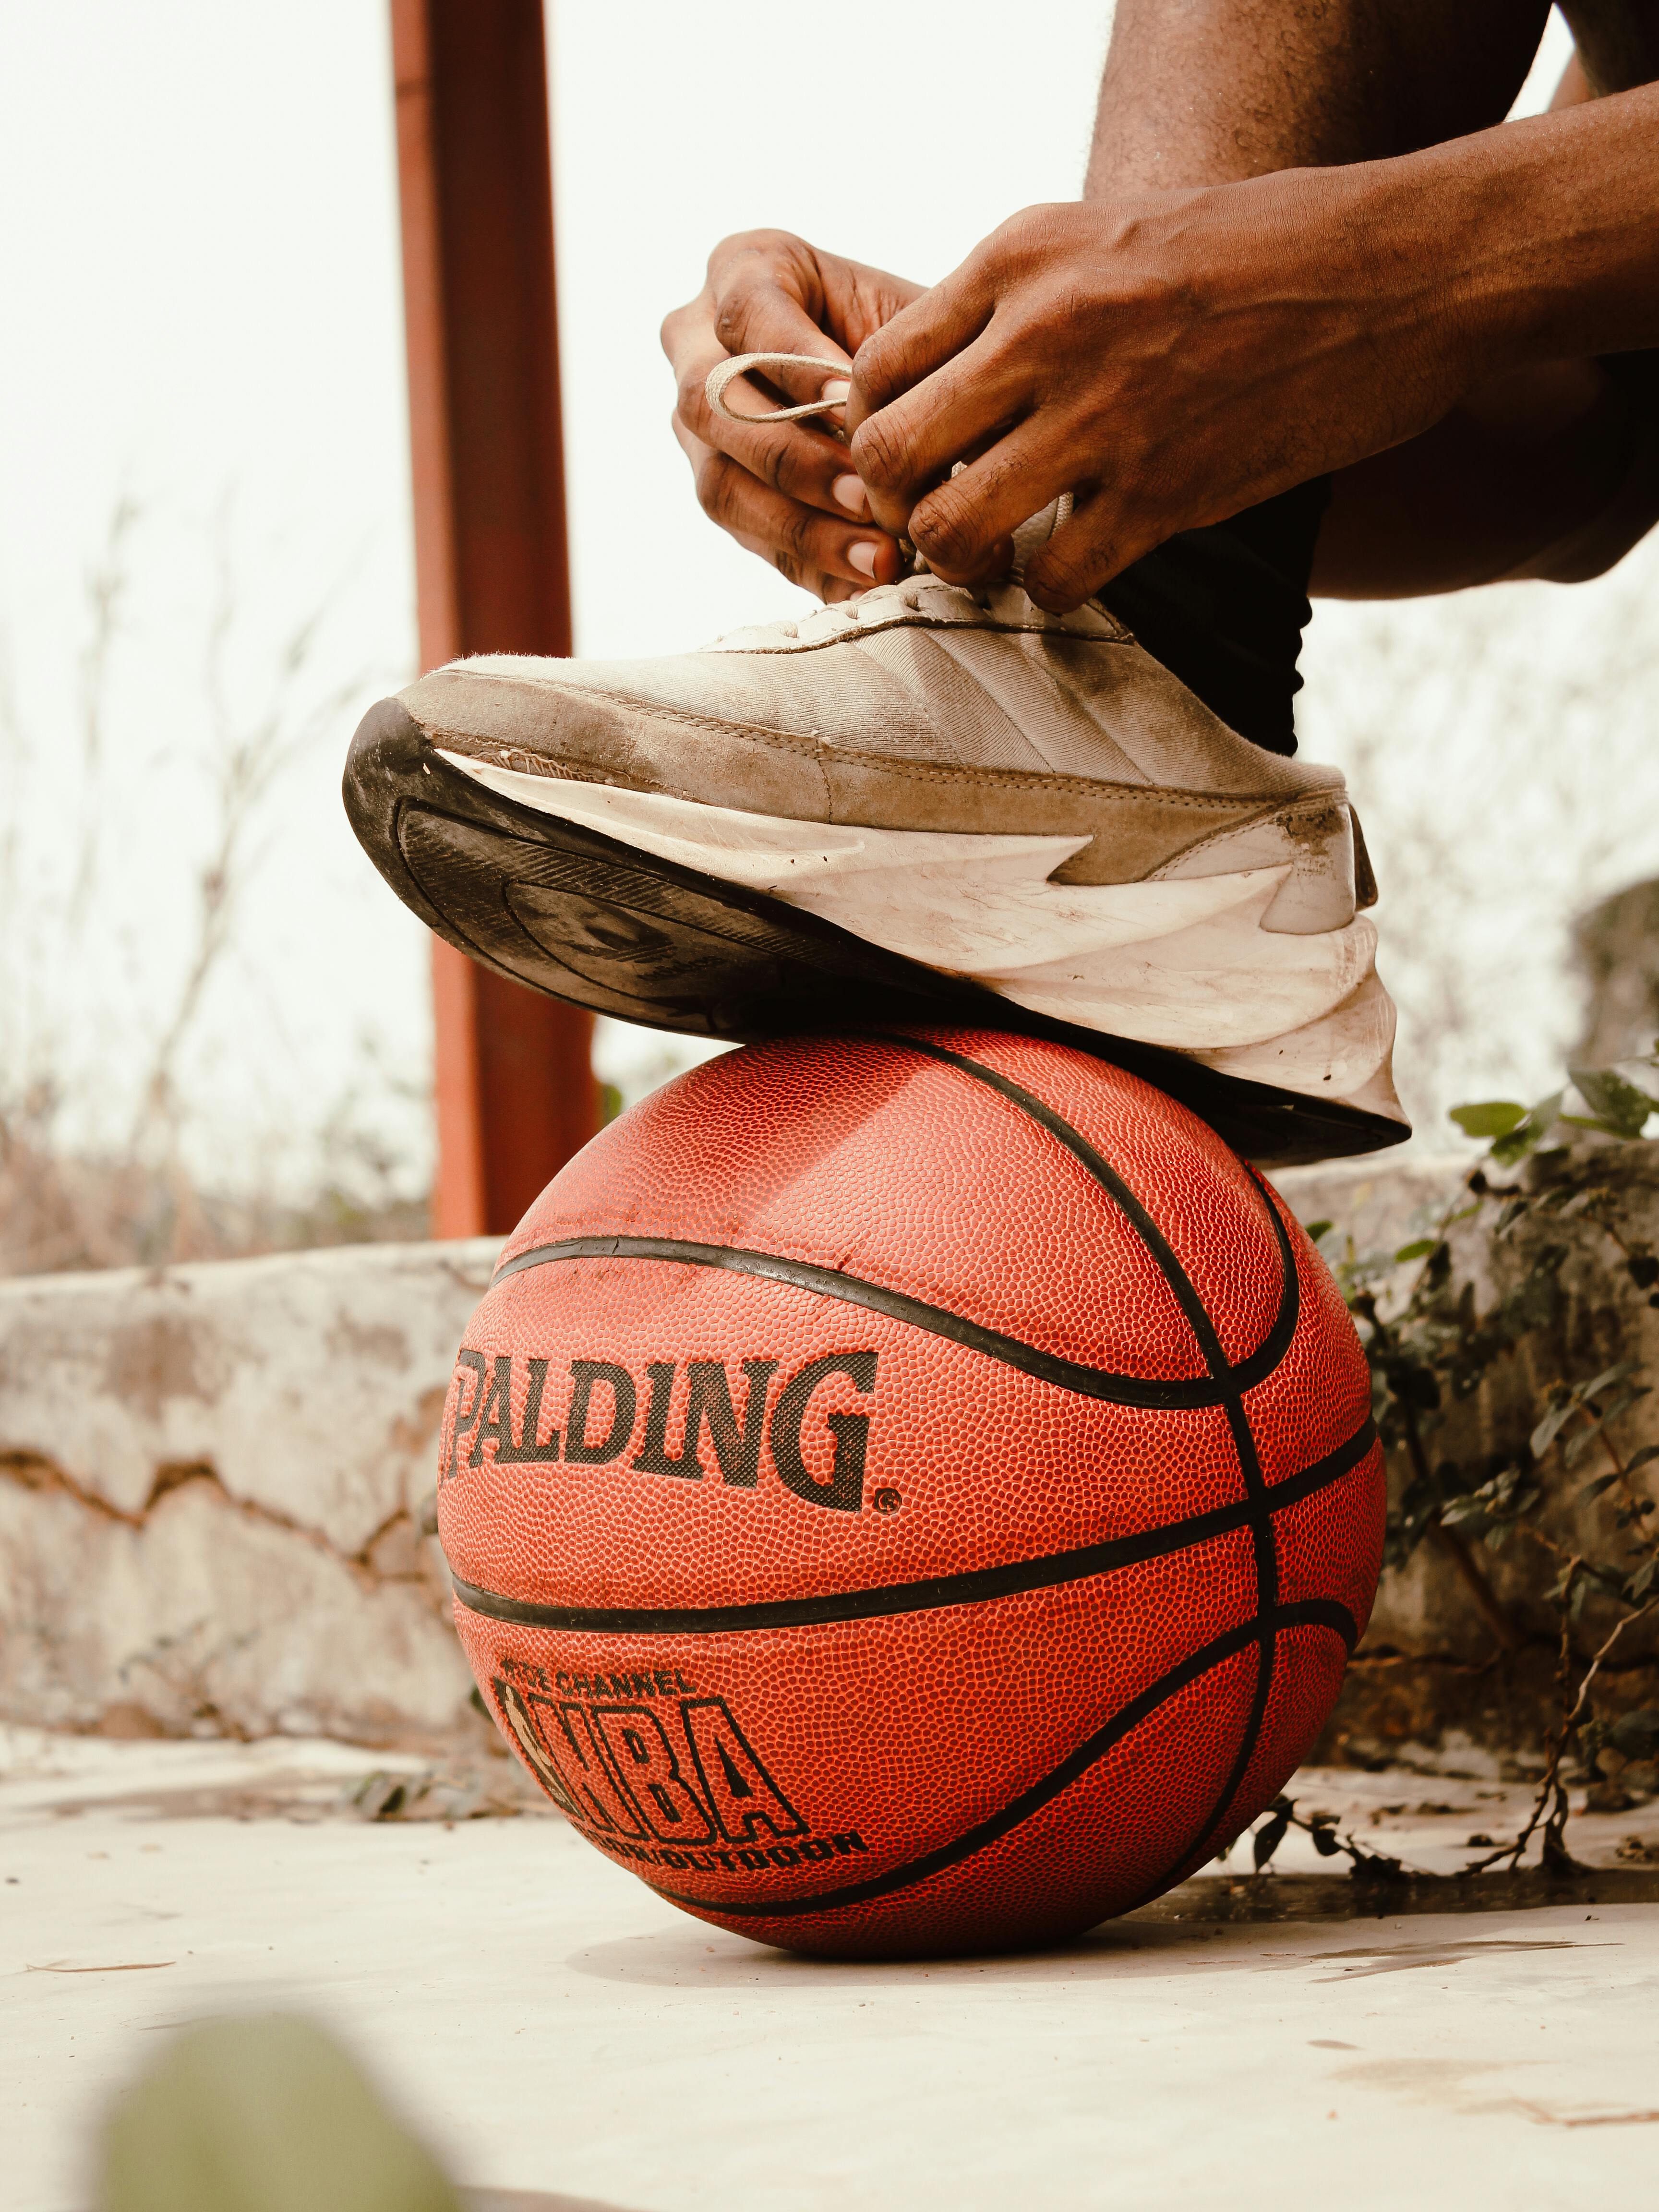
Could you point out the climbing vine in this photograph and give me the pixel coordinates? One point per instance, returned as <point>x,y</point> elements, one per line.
<point>1431,1348</point>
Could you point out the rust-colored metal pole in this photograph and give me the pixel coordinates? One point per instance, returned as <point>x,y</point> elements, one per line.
<point>515,1083</point>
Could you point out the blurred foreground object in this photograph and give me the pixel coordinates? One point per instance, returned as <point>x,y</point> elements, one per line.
<point>515,1090</point>
<point>262,2114</point>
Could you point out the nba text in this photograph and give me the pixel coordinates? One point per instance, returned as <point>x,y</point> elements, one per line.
<point>675,1785</point>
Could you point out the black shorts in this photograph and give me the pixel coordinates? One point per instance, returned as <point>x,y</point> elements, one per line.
<point>1224,609</point>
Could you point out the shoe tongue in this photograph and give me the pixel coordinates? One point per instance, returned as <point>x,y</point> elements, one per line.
<point>1031,537</point>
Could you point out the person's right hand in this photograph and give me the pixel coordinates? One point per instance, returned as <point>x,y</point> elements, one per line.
<point>788,493</point>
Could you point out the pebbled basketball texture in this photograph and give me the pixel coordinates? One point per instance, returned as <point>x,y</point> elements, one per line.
<point>910,1493</point>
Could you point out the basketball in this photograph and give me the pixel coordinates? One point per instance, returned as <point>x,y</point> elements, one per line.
<point>910,1493</point>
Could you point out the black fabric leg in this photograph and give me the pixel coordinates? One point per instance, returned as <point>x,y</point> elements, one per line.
<point>1224,609</point>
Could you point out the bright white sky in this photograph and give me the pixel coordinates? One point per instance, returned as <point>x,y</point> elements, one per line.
<point>200,269</point>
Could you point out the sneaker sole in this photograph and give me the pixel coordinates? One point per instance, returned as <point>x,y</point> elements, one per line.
<point>582,917</point>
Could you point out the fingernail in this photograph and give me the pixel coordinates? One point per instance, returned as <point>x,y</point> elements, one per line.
<point>862,556</point>
<point>835,389</point>
<point>849,492</point>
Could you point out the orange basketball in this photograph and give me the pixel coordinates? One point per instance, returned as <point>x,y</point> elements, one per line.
<point>911,1492</point>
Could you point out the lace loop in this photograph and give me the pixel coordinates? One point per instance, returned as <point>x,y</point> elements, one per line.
<point>740,364</point>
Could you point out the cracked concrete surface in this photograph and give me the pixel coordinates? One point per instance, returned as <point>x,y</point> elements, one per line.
<point>210,1478</point>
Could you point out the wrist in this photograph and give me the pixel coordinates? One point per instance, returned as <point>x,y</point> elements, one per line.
<point>1421,262</point>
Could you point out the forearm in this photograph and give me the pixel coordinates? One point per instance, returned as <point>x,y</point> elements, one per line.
<point>1543,235</point>
<point>1175,357</point>
<point>1532,242</point>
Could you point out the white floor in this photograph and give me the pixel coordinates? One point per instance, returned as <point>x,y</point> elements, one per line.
<point>553,2027</point>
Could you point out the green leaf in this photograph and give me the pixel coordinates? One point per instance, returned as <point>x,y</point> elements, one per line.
<point>1313,1230</point>
<point>1641,1459</point>
<point>1268,1837</point>
<point>1578,1446</point>
<point>1619,1106</point>
<point>1506,1152</point>
<point>1566,1199</point>
<point>1642,1581</point>
<point>1605,1381</point>
<point>1420,1250</point>
<point>1616,1408</point>
<point>1494,1117</point>
<point>1518,1142</point>
<point>1469,1507</point>
<point>1551,1427</point>
<point>1595,1489</point>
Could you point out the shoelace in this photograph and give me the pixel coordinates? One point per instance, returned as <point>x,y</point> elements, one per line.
<point>740,364</point>
<point>714,389</point>
<point>719,377</point>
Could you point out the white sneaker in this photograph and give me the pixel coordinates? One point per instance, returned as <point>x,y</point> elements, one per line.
<point>924,805</point>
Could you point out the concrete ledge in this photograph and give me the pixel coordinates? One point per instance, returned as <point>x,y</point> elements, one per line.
<point>210,1480</point>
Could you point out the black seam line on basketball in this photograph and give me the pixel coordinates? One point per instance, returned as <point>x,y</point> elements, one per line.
<point>1277,1341</point>
<point>1227,1377</point>
<point>1198,1847</point>
<point>1172,1395</point>
<point>1315,1613</point>
<point>1230,1381</point>
<point>1264,1543</point>
<point>977,1586</point>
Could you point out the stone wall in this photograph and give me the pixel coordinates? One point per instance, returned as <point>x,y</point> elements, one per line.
<point>211,1480</point>
<point>1434,1669</point>
<point>210,1485</point>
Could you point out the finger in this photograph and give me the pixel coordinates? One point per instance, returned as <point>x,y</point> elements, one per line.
<point>844,301</point>
<point>800,459</point>
<point>917,340</point>
<point>755,313</point>
<point>832,558</point>
<point>1103,534</point>
<point>857,301</point>
<point>989,567</point>
<point>906,448</point>
<point>960,526</point>
<point>801,371</point>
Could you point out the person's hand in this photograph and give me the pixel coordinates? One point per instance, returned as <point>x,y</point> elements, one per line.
<point>1169,359</point>
<point>788,492</point>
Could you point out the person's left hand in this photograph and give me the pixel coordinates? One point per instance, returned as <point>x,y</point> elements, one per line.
<point>1169,359</point>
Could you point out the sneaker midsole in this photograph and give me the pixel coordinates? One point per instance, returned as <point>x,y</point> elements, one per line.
<point>1184,963</point>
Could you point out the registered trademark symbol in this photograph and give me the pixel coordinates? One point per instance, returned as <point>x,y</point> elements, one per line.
<point>885,1501</point>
